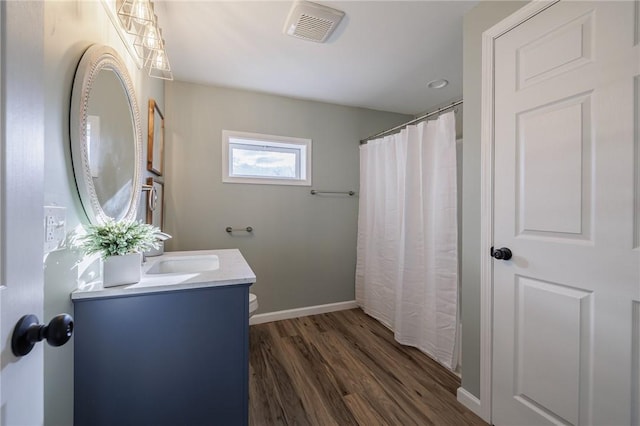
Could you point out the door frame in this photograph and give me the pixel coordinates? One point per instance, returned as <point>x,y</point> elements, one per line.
<point>484,404</point>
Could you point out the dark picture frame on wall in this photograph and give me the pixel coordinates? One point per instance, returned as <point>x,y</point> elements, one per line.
<point>155,146</point>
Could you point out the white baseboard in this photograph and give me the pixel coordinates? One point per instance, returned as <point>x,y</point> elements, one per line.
<point>302,312</point>
<point>470,401</point>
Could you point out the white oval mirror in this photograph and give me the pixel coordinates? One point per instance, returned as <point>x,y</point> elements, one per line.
<point>106,137</point>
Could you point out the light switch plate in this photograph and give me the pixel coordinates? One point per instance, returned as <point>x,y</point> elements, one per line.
<point>54,227</point>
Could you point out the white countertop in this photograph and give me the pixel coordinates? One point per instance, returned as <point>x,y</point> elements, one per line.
<point>233,269</point>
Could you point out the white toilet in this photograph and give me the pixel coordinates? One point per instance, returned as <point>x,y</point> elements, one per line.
<point>253,304</point>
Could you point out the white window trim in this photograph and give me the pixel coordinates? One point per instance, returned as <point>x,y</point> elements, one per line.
<point>305,163</point>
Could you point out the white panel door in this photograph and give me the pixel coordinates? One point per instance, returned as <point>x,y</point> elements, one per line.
<point>21,187</point>
<point>566,202</point>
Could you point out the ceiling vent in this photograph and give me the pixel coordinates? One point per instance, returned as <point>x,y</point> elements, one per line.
<point>311,21</point>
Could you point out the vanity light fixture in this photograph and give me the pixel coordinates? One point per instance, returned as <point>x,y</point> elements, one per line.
<point>138,18</point>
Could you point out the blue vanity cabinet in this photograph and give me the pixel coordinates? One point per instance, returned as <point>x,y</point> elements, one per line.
<point>163,358</point>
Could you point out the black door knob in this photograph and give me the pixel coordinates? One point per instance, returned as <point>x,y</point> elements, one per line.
<point>501,254</point>
<point>28,332</point>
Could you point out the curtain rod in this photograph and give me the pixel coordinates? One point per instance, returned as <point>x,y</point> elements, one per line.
<point>415,120</point>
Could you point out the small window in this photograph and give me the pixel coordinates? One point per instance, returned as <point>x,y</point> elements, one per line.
<point>265,159</point>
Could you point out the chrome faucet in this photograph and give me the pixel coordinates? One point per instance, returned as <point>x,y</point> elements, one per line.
<point>162,237</point>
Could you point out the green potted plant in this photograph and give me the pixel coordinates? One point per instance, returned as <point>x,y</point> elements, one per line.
<point>120,245</point>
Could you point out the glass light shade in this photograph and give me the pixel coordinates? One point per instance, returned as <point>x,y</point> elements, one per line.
<point>160,61</point>
<point>158,65</point>
<point>135,15</point>
<point>142,11</point>
<point>147,42</point>
<point>151,38</point>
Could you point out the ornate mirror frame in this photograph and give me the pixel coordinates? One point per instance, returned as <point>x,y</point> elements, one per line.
<point>96,58</point>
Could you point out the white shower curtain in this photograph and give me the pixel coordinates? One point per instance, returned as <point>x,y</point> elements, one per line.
<point>407,260</point>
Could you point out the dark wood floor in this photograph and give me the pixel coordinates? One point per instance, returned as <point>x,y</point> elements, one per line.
<point>345,368</point>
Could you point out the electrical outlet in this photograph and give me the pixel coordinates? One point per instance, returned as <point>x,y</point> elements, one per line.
<point>54,227</point>
<point>49,228</point>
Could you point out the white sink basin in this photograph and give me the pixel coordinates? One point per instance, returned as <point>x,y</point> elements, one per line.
<point>186,264</point>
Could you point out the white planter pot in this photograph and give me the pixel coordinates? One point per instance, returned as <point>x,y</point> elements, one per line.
<point>120,270</point>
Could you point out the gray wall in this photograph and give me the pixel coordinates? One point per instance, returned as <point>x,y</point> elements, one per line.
<point>476,21</point>
<point>71,27</point>
<point>303,247</point>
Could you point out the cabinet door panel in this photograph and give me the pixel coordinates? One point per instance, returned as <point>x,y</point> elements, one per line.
<point>170,358</point>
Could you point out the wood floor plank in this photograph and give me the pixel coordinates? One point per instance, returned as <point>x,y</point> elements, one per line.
<point>345,368</point>
<point>318,374</point>
<point>429,368</point>
<point>384,362</point>
<point>401,380</point>
<point>407,381</point>
<point>387,377</point>
<point>364,411</point>
<point>349,375</point>
<point>306,390</point>
<point>272,399</point>
<point>413,363</point>
<point>284,328</point>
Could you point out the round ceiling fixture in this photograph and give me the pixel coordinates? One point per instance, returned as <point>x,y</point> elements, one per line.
<point>437,84</point>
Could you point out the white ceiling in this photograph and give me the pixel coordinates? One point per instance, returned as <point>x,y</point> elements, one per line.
<point>381,56</point>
